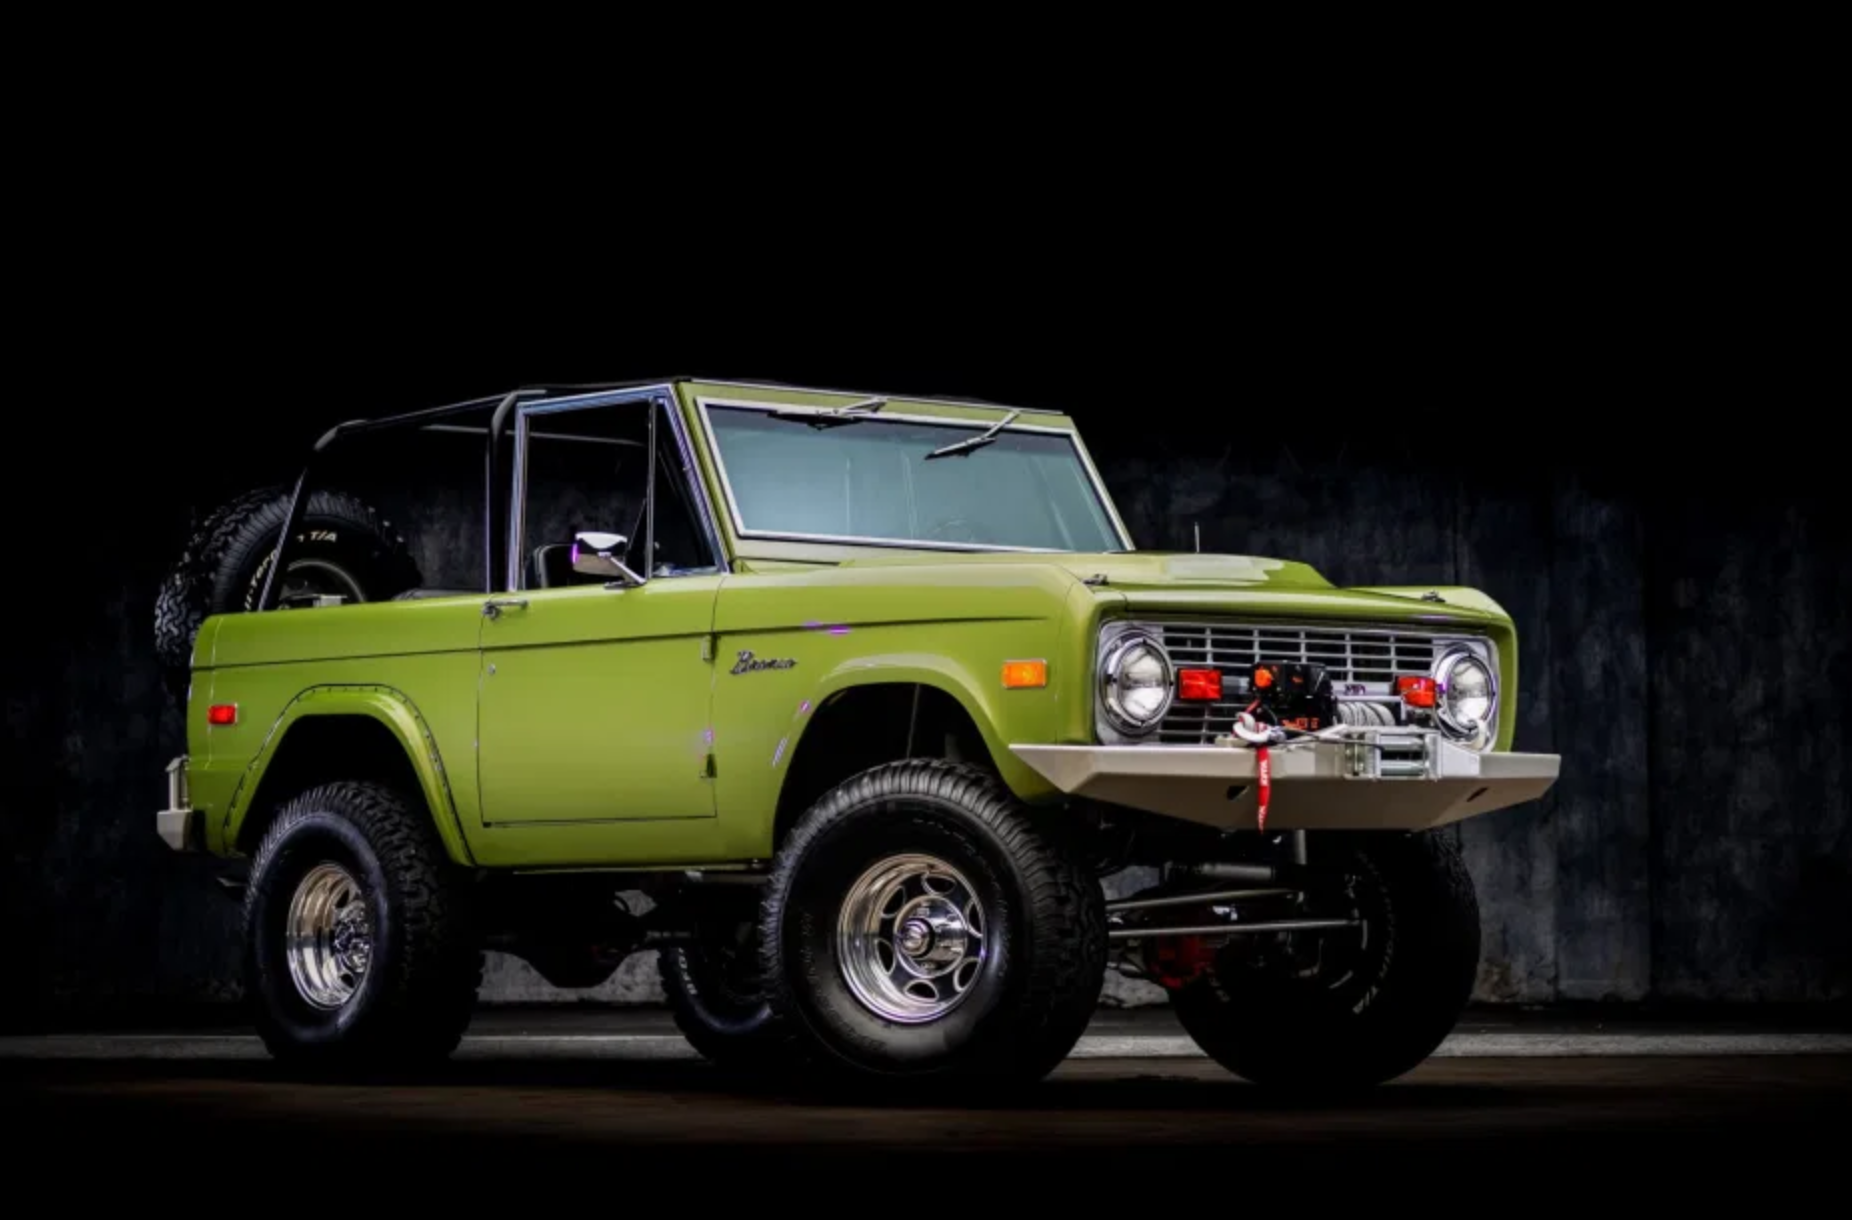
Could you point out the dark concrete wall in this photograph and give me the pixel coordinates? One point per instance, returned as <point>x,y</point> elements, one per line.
<point>1686,652</point>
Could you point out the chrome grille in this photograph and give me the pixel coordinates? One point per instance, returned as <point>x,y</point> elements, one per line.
<point>1362,661</point>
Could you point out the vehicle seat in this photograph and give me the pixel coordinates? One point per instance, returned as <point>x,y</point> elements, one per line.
<point>551,566</point>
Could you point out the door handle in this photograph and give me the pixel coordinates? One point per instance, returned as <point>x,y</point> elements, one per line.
<point>495,605</point>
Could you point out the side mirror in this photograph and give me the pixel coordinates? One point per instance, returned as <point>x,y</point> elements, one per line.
<point>596,554</point>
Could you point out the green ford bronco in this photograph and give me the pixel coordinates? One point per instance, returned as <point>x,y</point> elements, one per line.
<point>866,698</point>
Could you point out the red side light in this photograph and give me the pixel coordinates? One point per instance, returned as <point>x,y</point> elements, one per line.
<point>1416,691</point>
<point>222,713</point>
<point>1199,684</point>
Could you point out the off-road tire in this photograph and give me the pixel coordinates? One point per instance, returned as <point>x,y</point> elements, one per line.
<point>223,566</point>
<point>1327,1034</point>
<point>414,1000</point>
<point>1045,936</point>
<point>724,1016</point>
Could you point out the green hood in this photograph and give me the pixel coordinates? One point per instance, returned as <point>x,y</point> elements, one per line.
<point>1161,570</point>
<point>1136,569</point>
<point>1182,582</point>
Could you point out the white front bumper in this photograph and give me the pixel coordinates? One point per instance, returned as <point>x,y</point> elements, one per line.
<point>1399,781</point>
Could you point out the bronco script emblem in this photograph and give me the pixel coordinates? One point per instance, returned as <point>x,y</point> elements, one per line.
<point>749,663</point>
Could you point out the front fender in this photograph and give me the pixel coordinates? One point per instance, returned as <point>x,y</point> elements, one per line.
<point>984,704</point>
<point>400,717</point>
<point>761,716</point>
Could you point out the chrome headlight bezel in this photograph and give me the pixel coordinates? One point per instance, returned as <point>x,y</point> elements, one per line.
<point>1112,663</point>
<point>1478,732</point>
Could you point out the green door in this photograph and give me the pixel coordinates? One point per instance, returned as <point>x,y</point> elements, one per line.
<point>594,693</point>
<point>595,704</point>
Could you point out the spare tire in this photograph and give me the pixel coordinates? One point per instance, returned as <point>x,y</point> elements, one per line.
<point>342,547</point>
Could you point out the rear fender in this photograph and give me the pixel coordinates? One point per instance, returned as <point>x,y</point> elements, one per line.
<point>398,715</point>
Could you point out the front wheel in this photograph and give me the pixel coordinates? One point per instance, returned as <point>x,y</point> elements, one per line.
<point>920,924</point>
<point>359,949</point>
<point>1354,1007</point>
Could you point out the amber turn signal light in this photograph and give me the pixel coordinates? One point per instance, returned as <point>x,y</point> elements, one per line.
<point>1019,675</point>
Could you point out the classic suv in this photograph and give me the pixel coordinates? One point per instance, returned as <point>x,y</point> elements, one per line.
<point>866,695</point>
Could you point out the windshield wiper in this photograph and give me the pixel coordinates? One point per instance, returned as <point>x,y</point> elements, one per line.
<point>971,443</point>
<point>834,417</point>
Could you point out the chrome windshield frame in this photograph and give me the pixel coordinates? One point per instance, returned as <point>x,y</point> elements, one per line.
<point>740,530</point>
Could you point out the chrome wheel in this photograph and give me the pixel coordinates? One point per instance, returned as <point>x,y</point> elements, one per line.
<point>910,938</point>
<point>328,936</point>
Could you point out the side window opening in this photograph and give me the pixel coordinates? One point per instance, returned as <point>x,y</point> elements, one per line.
<point>590,469</point>
<point>423,493</point>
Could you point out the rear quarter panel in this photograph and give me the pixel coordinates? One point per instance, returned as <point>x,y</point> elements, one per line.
<point>278,665</point>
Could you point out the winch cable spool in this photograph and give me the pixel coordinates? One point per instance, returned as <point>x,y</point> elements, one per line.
<point>1262,738</point>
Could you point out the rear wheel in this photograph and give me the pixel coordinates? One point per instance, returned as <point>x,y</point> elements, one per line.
<point>1354,1007</point>
<point>920,925</point>
<point>714,989</point>
<point>359,947</point>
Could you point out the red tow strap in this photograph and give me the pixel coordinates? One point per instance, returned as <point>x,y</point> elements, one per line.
<point>1263,768</point>
<point>1256,736</point>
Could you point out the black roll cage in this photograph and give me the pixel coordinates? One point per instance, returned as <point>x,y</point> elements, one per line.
<point>494,506</point>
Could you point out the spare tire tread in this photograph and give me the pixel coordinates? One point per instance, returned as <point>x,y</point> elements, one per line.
<point>215,570</point>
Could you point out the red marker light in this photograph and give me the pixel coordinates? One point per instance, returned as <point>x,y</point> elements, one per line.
<point>1416,691</point>
<point>222,713</point>
<point>1199,684</point>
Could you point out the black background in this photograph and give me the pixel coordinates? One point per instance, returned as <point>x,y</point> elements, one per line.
<point>1594,386</point>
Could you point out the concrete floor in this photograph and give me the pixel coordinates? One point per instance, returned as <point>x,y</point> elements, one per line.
<point>567,1031</point>
<point>602,1106</point>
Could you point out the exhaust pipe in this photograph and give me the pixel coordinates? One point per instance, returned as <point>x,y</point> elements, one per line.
<point>1240,874</point>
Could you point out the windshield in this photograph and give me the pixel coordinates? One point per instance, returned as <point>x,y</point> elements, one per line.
<point>871,481</point>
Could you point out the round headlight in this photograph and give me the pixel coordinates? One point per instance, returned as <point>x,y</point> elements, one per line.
<point>1467,694</point>
<point>1135,684</point>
